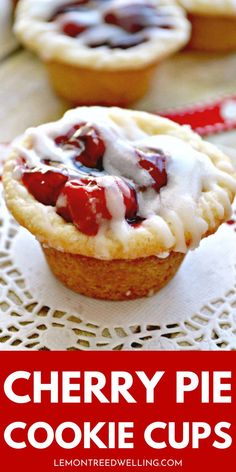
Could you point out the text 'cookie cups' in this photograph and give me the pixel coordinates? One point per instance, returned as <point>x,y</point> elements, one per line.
<point>101,52</point>
<point>117,197</point>
<point>213,24</point>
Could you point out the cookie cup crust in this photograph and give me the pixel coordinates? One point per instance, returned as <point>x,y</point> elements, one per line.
<point>84,86</point>
<point>212,33</point>
<point>113,280</point>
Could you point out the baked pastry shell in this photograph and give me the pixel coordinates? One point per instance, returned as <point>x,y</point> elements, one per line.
<point>113,280</point>
<point>85,86</point>
<point>212,33</point>
<point>221,8</point>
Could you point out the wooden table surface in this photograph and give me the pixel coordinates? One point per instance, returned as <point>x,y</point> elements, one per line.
<point>27,100</point>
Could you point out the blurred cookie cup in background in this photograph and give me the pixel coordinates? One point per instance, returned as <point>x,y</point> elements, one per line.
<point>102,52</point>
<point>213,24</point>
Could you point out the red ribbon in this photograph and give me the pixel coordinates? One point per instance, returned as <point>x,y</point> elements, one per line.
<point>208,118</point>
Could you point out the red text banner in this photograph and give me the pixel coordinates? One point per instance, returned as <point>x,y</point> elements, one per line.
<point>63,411</point>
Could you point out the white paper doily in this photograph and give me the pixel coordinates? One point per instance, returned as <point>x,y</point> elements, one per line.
<point>197,310</point>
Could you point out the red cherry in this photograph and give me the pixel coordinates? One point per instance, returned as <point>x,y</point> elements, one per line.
<point>73,29</point>
<point>44,186</point>
<point>93,147</point>
<point>83,202</point>
<point>85,139</point>
<point>155,163</point>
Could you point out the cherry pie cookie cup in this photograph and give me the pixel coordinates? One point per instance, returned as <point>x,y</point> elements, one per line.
<point>117,197</point>
<point>101,51</point>
<point>213,24</point>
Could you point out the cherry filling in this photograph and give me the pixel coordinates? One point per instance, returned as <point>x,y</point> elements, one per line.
<point>87,144</point>
<point>84,199</point>
<point>73,29</point>
<point>131,21</point>
<point>62,140</point>
<point>44,186</point>
<point>83,202</point>
<point>154,163</point>
<point>78,23</point>
<point>132,18</point>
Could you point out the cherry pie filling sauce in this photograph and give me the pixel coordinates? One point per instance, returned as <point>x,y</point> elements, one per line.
<point>109,23</point>
<point>82,191</point>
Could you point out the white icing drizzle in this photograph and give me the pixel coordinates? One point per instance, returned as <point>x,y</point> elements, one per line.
<point>85,18</point>
<point>49,42</point>
<point>114,199</point>
<point>181,213</point>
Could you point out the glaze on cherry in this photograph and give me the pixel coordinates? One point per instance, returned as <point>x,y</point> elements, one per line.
<point>129,197</point>
<point>154,163</point>
<point>84,204</point>
<point>81,200</point>
<point>121,41</point>
<point>132,18</point>
<point>62,140</point>
<point>79,196</point>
